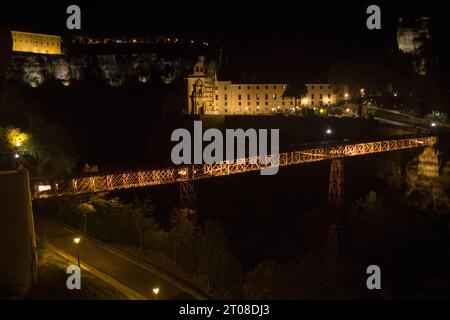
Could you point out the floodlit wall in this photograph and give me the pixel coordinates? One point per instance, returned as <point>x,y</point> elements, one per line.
<point>35,43</point>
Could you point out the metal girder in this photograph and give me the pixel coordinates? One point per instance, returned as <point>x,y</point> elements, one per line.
<point>50,187</point>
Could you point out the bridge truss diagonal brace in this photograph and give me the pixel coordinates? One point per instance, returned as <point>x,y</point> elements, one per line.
<point>336,184</point>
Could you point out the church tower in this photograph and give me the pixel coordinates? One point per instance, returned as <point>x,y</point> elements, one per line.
<point>200,90</point>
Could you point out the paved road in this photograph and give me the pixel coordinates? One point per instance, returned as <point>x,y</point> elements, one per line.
<point>130,274</point>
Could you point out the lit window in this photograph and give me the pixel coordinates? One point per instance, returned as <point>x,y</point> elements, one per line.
<point>274,96</point>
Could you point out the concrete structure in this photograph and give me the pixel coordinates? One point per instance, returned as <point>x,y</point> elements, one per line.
<point>207,95</point>
<point>17,240</point>
<point>35,43</point>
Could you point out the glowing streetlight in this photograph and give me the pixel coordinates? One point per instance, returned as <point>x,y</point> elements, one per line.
<point>155,292</point>
<point>433,124</point>
<point>327,132</point>
<point>346,95</point>
<point>16,155</point>
<point>77,241</point>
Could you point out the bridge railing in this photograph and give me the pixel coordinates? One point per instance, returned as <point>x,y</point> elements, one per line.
<point>50,187</point>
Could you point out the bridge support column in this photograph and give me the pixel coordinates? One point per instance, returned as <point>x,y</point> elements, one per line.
<point>187,193</point>
<point>336,184</point>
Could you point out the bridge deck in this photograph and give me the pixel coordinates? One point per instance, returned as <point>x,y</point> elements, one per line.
<point>51,187</point>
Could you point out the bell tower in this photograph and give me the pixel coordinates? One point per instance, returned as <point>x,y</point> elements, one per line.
<point>200,90</point>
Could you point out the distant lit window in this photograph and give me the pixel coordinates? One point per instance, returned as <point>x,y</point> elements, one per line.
<point>283,87</point>
<point>257,96</point>
<point>274,96</point>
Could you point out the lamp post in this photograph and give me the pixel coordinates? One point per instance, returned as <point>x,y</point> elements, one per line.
<point>77,241</point>
<point>327,132</point>
<point>155,292</point>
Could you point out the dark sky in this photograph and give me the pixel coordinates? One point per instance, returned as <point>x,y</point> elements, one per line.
<point>274,37</point>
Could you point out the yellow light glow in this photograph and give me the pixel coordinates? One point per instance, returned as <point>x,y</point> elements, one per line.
<point>76,240</point>
<point>42,188</point>
<point>155,290</point>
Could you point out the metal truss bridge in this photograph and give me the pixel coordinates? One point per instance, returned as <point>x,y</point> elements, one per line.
<point>42,188</point>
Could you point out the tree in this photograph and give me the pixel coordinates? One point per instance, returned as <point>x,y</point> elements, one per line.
<point>51,148</point>
<point>218,267</point>
<point>295,90</point>
<point>142,219</point>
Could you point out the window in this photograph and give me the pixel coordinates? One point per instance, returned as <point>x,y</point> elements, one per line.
<point>217,97</point>
<point>320,87</point>
<point>257,103</point>
<point>239,97</point>
<point>248,103</point>
<point>248,87</point>
<point>329,96</point>
<point>225,88</point>
<point>257,87</point>
<point>329,87</point>
<point>283,103</point>
<point>248,97</point>
<point>216,88</point>
<point>283,98</point>
<point>283,87</point>
<point>267,87</point>
<point>239,103</point>
<point>226,103</point>
<point>274,96</point>
<point>257,96</point>
<point>320,96</point>
<point>274,87</point>
<point>266,104</point>
<point>312,97</point>
<point>312,87</point>
<point>239,87</point>
<point>225,97</point>
<point>291,103</point>
<point>226,110</point>
<point>267,96</point>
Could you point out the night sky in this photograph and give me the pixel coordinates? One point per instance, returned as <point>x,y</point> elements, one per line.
<point>272,39</point>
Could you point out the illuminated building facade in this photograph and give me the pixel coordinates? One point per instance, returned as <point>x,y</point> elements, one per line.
<point>206,95</point>
<point>35,43</point>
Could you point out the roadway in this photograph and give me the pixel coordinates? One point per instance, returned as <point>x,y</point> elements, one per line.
<point>125,271</point>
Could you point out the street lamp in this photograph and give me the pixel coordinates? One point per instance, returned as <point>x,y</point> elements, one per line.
<point>327,132</point>
<point>77,241</point>
<point>155,292</point>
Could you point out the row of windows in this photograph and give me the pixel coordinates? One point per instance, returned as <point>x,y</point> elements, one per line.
<point>274,97</point>
<point>248,87</point>
<point>267,87</point>
<point>41,42</point>
<point>267,103</point>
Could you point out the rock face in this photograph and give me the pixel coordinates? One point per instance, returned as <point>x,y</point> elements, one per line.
<point>428,183</point>
<point>114,69</point>
<point>17,241</point>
